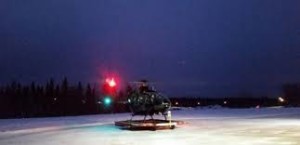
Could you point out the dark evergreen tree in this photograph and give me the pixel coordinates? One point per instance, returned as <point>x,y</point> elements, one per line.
<point>50,99</point>
<point>89,99</point>
<point>35,99</point>
<point>82,99</point>
<point>65,86</point>
<point>64,103</point>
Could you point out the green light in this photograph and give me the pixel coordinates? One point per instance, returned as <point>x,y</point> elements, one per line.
<point>107,100</point>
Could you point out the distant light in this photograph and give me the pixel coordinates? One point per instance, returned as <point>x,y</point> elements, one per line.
<point>198,103</point>
<point>225,102</point>
<point>257,106</point>
<point>107,100</point>
<point>176,103</point>
<point>111,82</point>
<point>281,100</point>
<point>54,99</point>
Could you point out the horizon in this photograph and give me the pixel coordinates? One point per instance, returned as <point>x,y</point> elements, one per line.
<point>121,87</point>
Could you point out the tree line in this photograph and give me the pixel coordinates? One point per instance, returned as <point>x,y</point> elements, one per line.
<point>50,99</point>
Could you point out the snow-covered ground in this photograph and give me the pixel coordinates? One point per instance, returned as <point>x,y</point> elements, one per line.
<point>203,126</point>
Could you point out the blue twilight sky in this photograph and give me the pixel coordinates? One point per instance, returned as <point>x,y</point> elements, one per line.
<point>187,47</point>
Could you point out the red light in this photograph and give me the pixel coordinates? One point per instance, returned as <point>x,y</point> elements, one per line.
<point>111,82</point>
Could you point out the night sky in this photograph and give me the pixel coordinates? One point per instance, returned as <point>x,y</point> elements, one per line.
<point>186,47</point>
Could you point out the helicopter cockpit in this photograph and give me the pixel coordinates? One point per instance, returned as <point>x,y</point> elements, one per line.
<point>144,100</point>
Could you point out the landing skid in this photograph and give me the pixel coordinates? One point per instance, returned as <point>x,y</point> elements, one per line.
<point>150,124</point>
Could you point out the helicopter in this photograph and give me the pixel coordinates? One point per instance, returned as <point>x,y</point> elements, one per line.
<point>145,101</point>
<point>141,100</point>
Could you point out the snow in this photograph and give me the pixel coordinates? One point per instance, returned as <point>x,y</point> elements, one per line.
<point>266,126</point>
